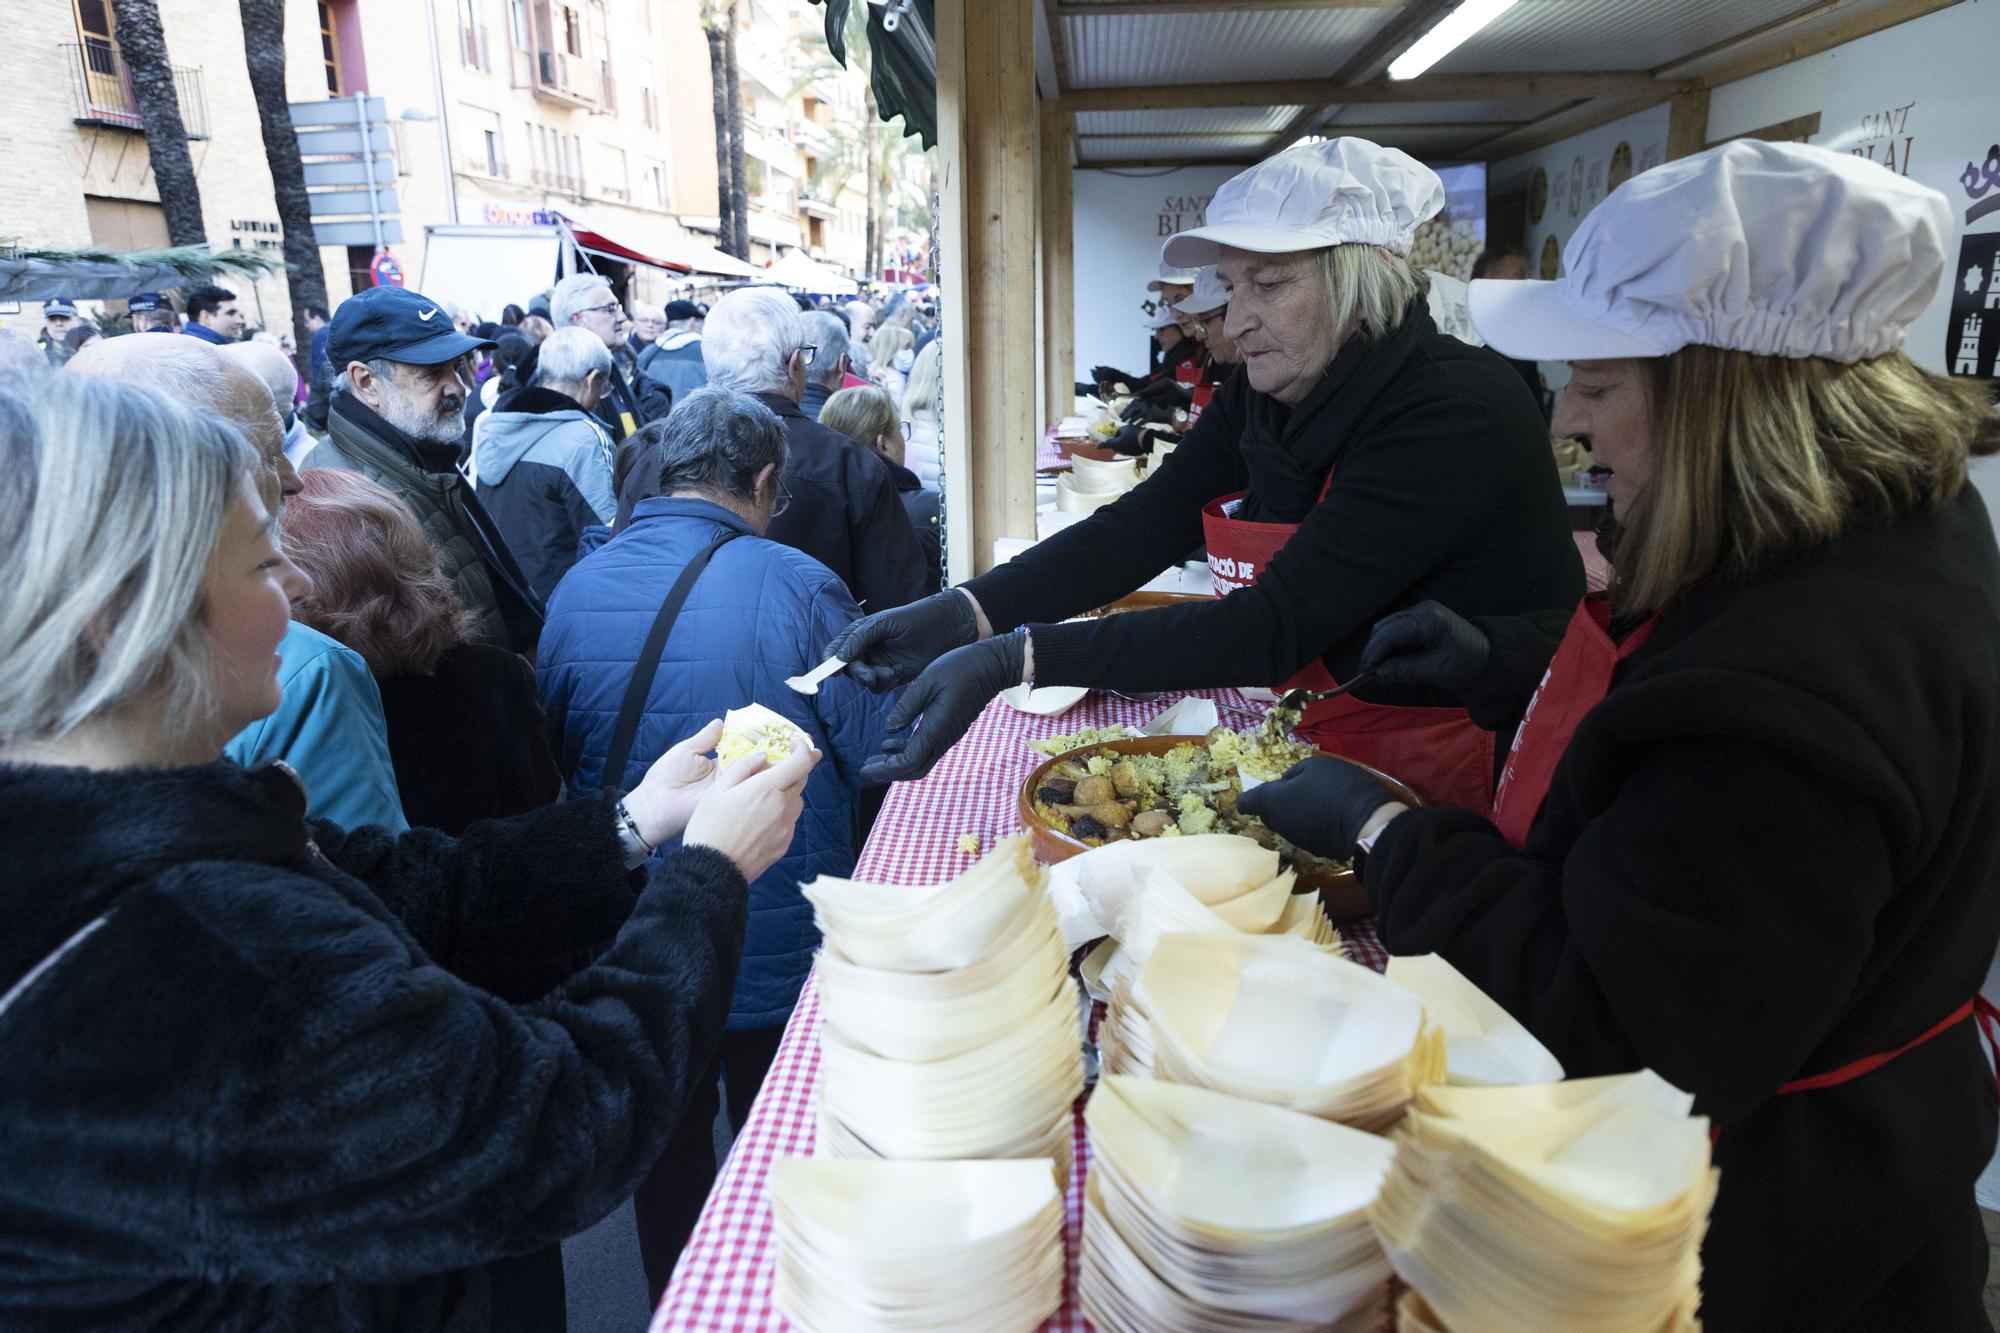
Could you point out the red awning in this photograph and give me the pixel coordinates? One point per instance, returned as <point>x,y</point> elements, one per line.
<point>602,244</point>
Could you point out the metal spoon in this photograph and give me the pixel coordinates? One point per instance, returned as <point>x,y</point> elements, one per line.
<point>1296,701</point>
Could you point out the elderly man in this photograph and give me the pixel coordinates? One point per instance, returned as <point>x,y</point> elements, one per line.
<point>401,377</point>
<point>844,512</point>
<point>648,323</point>
<point>828,332</point>
<point>860,323</point>
<point>542,463</point>
<point>268,362</point>
<point>213,315</point>
<point>757,612</point>
<point>328,725</point>
<point>675,360</point>
<point>585,300</point>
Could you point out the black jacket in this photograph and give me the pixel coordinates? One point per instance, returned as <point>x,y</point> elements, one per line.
<point>1444,488</point>
<point>813,398</point>
<point>926,511</point>
<point>425,476</point>
<point>844,511</point>
<point>468,741</point>
<point>644,398</point>
<point>264,1089</point>
<point>542,467</point>
<point>1772,849</point>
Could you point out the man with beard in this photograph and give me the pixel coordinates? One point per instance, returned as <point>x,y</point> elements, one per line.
<point>401,376</point>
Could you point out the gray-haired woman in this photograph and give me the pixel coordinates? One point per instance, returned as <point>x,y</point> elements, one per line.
<point>253,1069</point>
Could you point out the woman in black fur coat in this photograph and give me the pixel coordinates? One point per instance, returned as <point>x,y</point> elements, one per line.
<point>253,1074</point>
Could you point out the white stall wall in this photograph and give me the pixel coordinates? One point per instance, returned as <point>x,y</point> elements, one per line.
<point>1567,179</point>
<point>1121,220</point>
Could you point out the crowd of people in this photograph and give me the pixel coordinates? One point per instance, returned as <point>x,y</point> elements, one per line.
<point>467,941</point>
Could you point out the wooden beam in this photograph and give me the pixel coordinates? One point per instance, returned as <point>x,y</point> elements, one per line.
<point>1057,44</point>
<point>1687,124</point>
<point>1572,119</point>
<point>1165,163</point>
<point>1397,34</point>
<point>1070,9</point>
<point>1325,92</point>
<point>1687,65</point>
<point>1057,185</point>
<point>1850,29</point>
<point>989,157</point>
<point>1799,129</point>
<point>1366,131</point>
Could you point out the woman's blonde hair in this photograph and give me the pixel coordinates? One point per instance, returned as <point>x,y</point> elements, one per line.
<point>920,390</point>
<point>889,340</point>
<point>1370,288</point>
<point>862,415</point>
<point>1757,457</point>
<point>112,501</point>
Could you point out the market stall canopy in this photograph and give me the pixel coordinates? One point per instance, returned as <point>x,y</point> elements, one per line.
<point>801,271</point>
<point>597,243</point>
<point>700,257</point>
<point>97,275</point>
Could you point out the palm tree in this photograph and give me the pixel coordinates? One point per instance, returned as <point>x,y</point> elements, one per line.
<point>144,46</point>
<point>264,50</point>
<point>712,18</point>
<point>739,180</point>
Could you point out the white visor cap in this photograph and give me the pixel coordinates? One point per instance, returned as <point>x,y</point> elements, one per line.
<point>1170,276</point>
<point>1776,249</point>
<point>1162,316</point>
<point>1209,294</point>
<point>1311,196</point>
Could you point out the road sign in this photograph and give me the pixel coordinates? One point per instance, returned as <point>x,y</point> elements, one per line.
<point>345,203</point>
<point>337,111</point>
<point>344,140</point>
<point>385,270</point>
<point>361,232</point>
<point>353,172</point>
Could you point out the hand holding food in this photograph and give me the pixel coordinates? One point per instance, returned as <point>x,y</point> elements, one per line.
<point>890,647</point>
<point>1320,804</point>
<point>943,702</point>
<point>665,798</point>
<point>750,809</point>
<point>1427,645</point>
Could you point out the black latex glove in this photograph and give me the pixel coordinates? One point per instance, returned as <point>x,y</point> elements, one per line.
<point>1169,393</point>
<point>1320,805</point>
<point>1109,375</point>
<point>1427,645</point>
<point>946,699</point>
<point>890,647</point>
<point>1132,441</point>
<point>1140,411</point>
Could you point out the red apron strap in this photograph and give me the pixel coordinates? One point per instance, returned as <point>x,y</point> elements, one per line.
<point>1868,1064</point>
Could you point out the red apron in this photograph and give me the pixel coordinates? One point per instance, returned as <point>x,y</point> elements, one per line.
<point>1438,751</point>
<point>1578,678</point>
<point>1202,394</point>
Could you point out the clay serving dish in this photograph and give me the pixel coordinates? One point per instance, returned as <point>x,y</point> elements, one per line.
<point>1339,890</point>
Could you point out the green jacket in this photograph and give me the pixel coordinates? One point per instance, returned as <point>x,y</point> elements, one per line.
<point>425,476</point>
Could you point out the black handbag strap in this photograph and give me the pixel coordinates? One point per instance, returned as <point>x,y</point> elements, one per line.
<point>627,727</point>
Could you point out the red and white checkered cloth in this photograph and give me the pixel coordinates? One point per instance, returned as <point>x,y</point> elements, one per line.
<point>723,1281</point>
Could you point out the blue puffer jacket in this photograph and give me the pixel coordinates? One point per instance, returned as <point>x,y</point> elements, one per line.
<point>761,612</point>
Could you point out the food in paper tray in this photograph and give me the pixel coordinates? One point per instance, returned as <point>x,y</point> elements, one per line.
<point>752,728</point>
<point>1109,796</point>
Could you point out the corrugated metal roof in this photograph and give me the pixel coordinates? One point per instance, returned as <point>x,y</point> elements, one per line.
<point>1177,150</point>
<point>1606,34</point>
<point>1415,113</point>
<point>1128,50</point>
<point>1250,119</point>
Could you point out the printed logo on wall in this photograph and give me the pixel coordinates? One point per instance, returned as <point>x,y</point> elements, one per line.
<point>1621,166</point>
<point>1551,260</point>
<point>1972,334</point>
<point>1538,195</point>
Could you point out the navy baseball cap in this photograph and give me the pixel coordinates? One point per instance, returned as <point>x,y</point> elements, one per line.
<point>682,310</point>
<point>60,305</point>
<point>146,303</point>
<point>395,324</point>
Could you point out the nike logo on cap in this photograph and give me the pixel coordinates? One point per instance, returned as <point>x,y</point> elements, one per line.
<point>426,314</point>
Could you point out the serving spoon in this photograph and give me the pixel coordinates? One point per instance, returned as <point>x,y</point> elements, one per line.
<point>1291,707</point>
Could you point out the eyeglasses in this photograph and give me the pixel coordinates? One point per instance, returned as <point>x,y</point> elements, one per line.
<point>598,309</point>
<point>807,353</point>
<point>784,500</point>
<point>906,431</point>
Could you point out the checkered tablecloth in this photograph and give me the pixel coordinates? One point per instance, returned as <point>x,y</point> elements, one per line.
<point>723,1282</point>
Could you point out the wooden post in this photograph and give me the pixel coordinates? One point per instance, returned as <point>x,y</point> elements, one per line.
<point>989,150</point>
<point>1687,123</point>
<point>1058,187</point>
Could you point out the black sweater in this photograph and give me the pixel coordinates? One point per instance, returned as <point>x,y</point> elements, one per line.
<point>1772,849</point>
<point>469,740</point>
<point>267,1092</point>
<point>1445,488</point>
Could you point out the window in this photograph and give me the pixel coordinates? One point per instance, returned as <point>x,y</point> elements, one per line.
<point>649,109</point>
<point>517,25</point>
<point>656,185</point>
<point>573,164</point>
<point>489,144</point>
<point>472,35</point>
<point>617,183</point>
<point>329,51</point>
<point>572,24</point>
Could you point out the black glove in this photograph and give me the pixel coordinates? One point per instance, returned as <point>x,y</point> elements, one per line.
<point>1320,805</point>
<point>1132,441</point>
<point>946,699</point>
<point>1109,375</point>
<point>890,647</point>
<point>1168,393</point>
<point>1427,645</point>
<point>1140,411</point>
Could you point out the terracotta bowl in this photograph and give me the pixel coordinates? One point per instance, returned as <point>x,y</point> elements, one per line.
<point>1147,601</point>
<point>1096,453</point>
<point>1340,891</point>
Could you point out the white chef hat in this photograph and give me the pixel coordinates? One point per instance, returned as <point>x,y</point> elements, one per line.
<point>1778,249</point>
<point>1169,276</point>
<point>1312,196</point>
<point>1161,317</point>
<point>1209,293</point>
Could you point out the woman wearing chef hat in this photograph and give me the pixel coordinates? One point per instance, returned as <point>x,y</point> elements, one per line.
<point>1359,463</point>
<point>1749,834</point>
<point>1204,310</point>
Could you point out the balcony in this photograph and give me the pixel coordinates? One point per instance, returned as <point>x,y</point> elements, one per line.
<point>561,77</point>
<point>814,207</point>
<point>561,181</point>
<point>102,89</point>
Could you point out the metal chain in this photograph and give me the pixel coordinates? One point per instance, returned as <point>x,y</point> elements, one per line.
<point>937,404</point>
